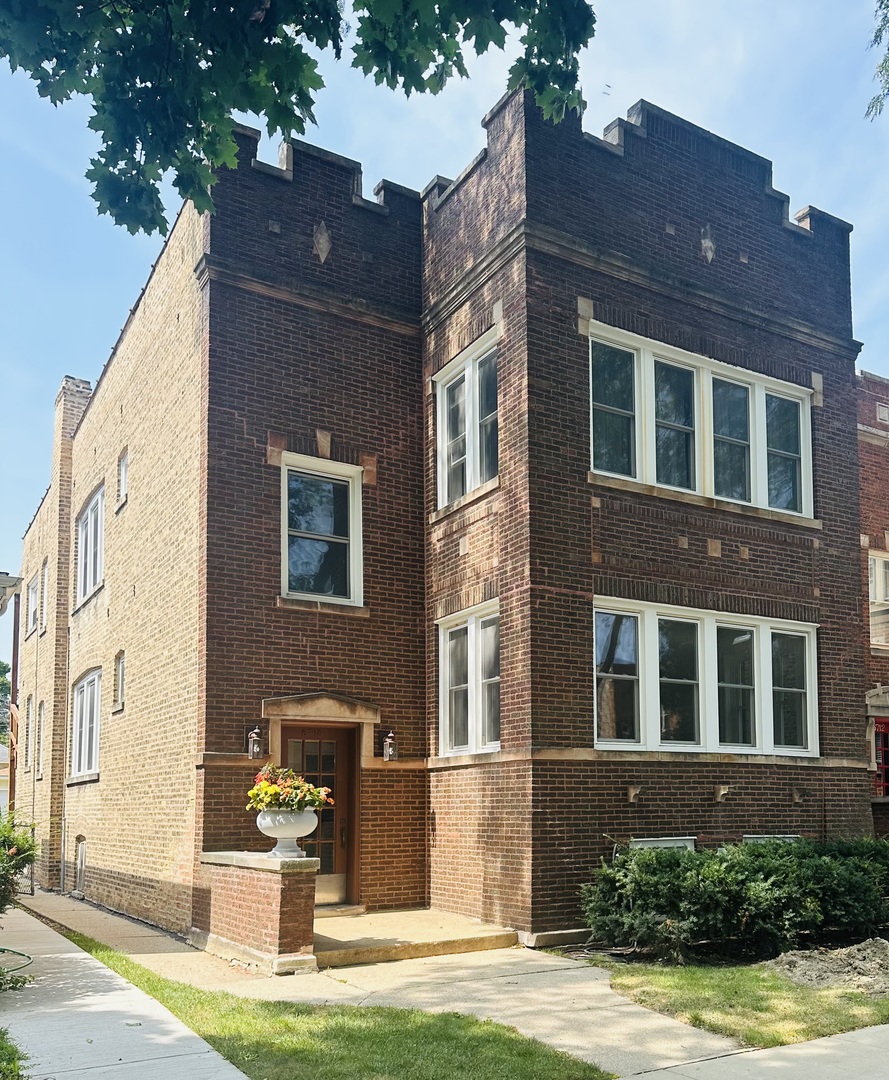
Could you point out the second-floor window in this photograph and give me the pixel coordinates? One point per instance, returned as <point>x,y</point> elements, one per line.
<point>33,603</point>
<point>85,724</point>
<point>321,530</point>
<point>90,541</point>
<point>688,423</point>
<point>467,422</point>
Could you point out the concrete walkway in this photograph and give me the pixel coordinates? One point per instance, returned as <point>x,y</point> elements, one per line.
<point>80,1020</point>
<point>565,1003</point>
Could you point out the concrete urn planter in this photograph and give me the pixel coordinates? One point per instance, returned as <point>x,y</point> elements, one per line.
<point>287,826</point>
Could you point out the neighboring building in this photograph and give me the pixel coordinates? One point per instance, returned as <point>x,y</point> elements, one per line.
<point>873,457</point>
<point>545,470</point>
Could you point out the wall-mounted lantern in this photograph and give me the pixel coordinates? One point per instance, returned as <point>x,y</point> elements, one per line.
<point>390,749</point>
<point>254,744</point>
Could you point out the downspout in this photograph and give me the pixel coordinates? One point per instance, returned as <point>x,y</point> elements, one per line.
<point>14,700</point>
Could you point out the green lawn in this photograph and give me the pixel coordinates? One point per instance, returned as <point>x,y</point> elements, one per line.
<point>279,1040</point>
<point>747,1001</point>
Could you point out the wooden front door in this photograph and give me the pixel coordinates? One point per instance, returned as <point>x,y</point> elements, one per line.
<point>325,756</point>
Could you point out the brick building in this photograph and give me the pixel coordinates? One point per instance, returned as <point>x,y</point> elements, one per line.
<point>544,469</point>
<point>873,460</point>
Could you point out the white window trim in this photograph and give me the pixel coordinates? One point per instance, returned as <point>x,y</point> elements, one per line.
<point>86,586</point>
<point>875,589</point>
<point>44,593</point>
<point>467,362</point>
<point>708,621</point>
<point>471,618</point>
<point>120,688</point>
<point>41,722</point>
<point>33,603</point>
<point>80,766</point>
<point>123,477</point>
<point>646,352</point>
<point>341,471</point>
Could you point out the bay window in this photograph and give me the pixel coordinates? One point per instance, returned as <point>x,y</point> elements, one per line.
<point>670,419</point>
<point>670,678</point>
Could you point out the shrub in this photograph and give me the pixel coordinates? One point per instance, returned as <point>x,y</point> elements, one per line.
<point>17,852</point>
<point>751,899</point>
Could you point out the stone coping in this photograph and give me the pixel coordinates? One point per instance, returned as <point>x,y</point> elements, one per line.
<point>255,860</point>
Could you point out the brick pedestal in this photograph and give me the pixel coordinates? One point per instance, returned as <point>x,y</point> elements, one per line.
<point>257,909</point>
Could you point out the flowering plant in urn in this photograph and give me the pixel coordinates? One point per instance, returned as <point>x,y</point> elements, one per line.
<point>286,804</point>
<point>281,789</point>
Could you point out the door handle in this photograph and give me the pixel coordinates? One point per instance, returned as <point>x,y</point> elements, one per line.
<point>342,836</point>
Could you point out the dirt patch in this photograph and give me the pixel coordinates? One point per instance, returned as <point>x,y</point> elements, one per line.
<point>860,967</point>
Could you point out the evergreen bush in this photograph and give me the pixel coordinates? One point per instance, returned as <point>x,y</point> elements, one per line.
<point>742,899</point>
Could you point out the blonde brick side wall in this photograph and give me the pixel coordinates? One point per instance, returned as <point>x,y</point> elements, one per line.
<point>138,817</point>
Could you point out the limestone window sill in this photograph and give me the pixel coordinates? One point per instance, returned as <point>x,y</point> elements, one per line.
<point>82,778</point>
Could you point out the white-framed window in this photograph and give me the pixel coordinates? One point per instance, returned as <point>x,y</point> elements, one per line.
<point>321,530</point>
<point>878,596</point>
<point>33,604</point>
<point>689,423</point>
<point>469,669</point>
<point>29,731</point>
<point>120,662</point>
<point>38,747</point>
<point>44,594</point>
<point>86,698</point>
<point>90,544</point>
<point>123,471</point>
<point>670,678</point>
<point>466,422</point>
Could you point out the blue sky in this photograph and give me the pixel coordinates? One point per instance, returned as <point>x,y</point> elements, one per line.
<point>788,80</point>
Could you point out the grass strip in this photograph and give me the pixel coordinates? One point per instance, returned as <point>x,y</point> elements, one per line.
<point>750,1002</point>
<point>10,1059</point>
<point>272,1040</point>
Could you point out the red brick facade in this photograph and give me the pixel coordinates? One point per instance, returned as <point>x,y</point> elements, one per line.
<point>323,325</point>
<point>873,461</point>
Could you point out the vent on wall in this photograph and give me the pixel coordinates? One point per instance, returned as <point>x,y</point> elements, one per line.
<point>883,414</point>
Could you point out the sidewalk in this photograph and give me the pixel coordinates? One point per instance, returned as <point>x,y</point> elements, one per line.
<point>80,1020</point>
<point>565,1003</point>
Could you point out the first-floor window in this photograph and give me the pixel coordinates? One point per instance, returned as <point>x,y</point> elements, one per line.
<point>321,530</point>
<point>29,732</point>
<point>41,717</point>
<point>878,595</point>
<point>85,724</point>
<point>617,675</point>
<point>470,691</point>
<point>674,678</point>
